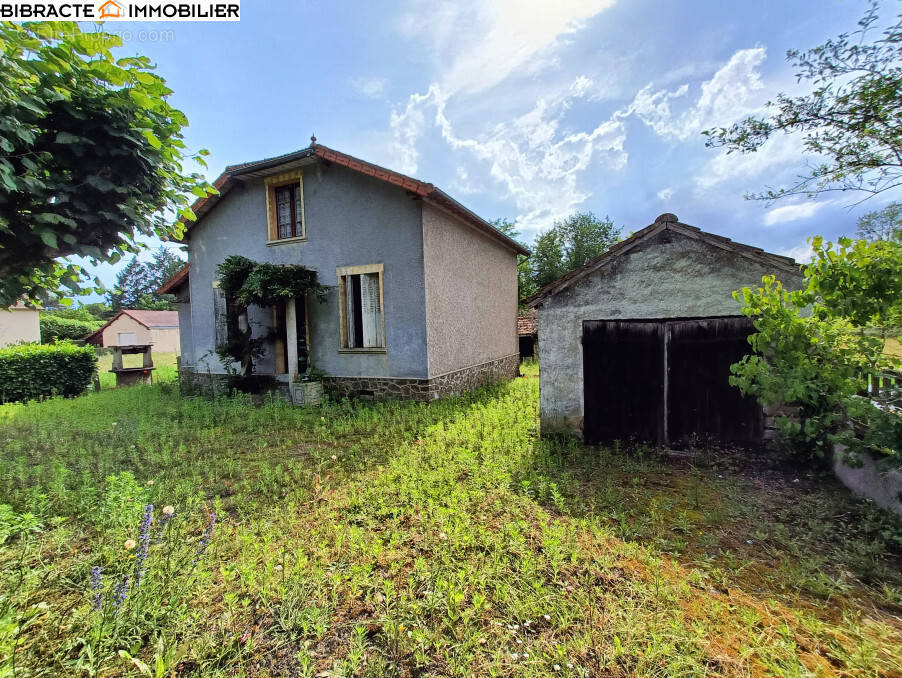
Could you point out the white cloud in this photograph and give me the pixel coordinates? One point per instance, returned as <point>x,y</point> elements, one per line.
<point>723,99</point>
<point>530,158</point>
<point>801,253</point>
<point>479,44</point>
<point>665,194</point>
<point>370,87</point>
<point>802,210</point>
<point>778,153</point>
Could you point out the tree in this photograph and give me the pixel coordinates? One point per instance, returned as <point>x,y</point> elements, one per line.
<point>569,244</point>
<point>92,156</point>
<point>852,120</point>
<point>137,284</point>
<point>818,349</point>
<point>885,224</point>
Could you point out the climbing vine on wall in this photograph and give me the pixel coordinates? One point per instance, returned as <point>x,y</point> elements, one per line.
<point>244,283</point>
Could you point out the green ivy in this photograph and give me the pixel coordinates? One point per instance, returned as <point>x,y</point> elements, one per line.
<point>249,283</point>
<point>29,371</point>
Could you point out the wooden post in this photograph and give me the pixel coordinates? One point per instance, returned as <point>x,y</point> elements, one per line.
<point>148,359</point>
<point>117,358</point>
<point>279,343</point>
<point>291,334</point>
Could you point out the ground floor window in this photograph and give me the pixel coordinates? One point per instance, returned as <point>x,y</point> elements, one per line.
<point>361,304</point>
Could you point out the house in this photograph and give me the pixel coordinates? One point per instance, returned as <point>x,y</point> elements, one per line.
<point>638,343</point>
<point>422,292</point>
<point>527,333</point>
<point>139,328</point>
<point>20,323</point>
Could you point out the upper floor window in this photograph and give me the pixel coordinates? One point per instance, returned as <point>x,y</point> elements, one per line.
<point>288,211</point>
<point>285,206</point>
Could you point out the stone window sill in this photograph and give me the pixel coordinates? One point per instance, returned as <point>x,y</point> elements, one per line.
<point>286,241</point>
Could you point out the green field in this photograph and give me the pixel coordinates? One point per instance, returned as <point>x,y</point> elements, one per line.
<point>404,539</point>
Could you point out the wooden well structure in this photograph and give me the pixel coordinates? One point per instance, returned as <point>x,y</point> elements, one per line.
<point>129,376</point>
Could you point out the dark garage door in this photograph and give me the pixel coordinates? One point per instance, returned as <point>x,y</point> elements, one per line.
<point>665,380</point>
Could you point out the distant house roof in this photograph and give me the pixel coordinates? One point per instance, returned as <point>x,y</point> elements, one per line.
<point>527,324</point>
<point>665,222</point>
<point>175,282</point>
<point>233,174</point>
<point>152,320</point>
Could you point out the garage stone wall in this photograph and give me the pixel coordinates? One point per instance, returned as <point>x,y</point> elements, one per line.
<point>670,275</point>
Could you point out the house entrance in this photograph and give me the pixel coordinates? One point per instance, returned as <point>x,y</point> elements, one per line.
<point>291,338</point>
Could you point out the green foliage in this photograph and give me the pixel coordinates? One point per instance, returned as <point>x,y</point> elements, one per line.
<point>850,121</point>
<point>13,525</point>
<point>92,156</point>
<point>883,224</point>
<point>818,348</point>
<point>30,371</point>
<point>405,538</point>
<point>55,327</point>
<point>569,244</point>
<point>136,284</point>
<point>248,283</point>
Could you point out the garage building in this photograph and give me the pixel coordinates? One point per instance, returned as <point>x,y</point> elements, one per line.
<point>638,342</point>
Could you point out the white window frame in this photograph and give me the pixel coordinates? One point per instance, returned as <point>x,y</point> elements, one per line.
<point>346,320</point>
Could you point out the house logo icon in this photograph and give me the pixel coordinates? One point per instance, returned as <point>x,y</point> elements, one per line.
<point>110,10</point>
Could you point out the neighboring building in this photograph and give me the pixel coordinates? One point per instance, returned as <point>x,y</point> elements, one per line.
<point>422,297</point>
<point>139,328</point>
<point>20,323</point>
<point>527,334</point>
<point>638,343</point>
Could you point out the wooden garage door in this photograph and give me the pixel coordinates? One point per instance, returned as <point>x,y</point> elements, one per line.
<point>663,381</point>
<point>700,399</point>
<point>623,365</point>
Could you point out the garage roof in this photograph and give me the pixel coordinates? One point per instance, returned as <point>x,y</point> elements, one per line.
<point>665,222</point>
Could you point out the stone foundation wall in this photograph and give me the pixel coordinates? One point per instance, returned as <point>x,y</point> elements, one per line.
<point>376,388</point>
<point>476,376</point>
<point>192,382</point>
<point>458,381</point>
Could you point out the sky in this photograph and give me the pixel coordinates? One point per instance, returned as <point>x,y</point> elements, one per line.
<point>519,109</point>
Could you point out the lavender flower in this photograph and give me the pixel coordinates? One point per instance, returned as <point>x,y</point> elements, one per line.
<point>206,537</point>
<point>120,591</point>
<point>96,584</point>
<point>144,541</point>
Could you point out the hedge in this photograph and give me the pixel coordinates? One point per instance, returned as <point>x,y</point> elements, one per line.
<point>54,328</point>
<point>36,370</point>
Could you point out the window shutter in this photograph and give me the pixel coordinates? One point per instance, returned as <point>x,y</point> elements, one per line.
<point>372,313</point>
<point>220,322</point>
<point>349,310</point>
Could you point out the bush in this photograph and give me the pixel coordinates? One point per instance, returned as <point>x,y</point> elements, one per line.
<point>56,328</point>
<point>34,370</point>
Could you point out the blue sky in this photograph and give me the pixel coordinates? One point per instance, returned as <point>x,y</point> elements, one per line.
<point>519,109</point>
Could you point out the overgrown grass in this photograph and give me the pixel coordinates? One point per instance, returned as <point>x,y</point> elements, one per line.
<point>409,539</point>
